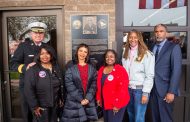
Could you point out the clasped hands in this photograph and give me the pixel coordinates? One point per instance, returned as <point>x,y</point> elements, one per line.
<point>115,110</point>
<point>84,102</point>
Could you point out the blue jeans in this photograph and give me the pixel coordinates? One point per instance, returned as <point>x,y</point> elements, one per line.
<point>136,110</point>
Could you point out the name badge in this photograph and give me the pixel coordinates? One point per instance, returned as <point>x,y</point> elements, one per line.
<point>30,55</point>
<point>110,77</point>
<point>42,74</point>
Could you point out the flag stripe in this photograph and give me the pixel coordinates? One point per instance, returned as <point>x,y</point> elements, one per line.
<point>157,4</point>
<point>173,4</point>
<point>142,4</point>
<point>185,3</point>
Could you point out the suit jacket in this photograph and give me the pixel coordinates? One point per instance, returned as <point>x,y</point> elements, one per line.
<point>168,69</point>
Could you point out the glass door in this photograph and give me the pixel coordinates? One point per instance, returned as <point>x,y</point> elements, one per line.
<point>1,107</point>
<point>14,24</point>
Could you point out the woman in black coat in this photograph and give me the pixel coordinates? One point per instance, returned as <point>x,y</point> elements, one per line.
<point>80,84</point>
<point>44,86</point>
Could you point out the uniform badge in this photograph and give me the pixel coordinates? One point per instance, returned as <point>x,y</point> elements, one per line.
<point>30,55</point>
<point>110,77</point>
<point>42,74</point>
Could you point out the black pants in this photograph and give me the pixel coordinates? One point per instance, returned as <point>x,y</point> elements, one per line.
<point>109,116</point>
<point>26,112</point>
<point>161,110</point>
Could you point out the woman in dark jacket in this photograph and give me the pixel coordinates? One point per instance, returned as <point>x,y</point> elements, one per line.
<point>44,86</point>
<point>80,84</point>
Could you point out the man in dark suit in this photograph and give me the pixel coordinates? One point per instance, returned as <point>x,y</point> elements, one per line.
<point>168,61</point>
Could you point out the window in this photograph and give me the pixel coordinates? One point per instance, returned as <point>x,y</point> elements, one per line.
<point>177,37</point>
<point>137,13</point>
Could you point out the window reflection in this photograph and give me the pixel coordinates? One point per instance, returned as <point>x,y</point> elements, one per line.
<point>173,13</point>
<point>177,37</point>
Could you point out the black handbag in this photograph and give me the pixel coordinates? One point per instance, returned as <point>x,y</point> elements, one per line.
<point>59,111</point>
<point>99,111</point>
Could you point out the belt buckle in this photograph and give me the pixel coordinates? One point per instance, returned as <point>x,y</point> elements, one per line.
<point>139,86</point>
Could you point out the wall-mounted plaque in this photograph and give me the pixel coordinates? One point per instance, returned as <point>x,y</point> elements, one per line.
<point>93,31</point>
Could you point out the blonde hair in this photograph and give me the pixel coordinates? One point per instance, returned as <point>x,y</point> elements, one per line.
<point>142,48</point>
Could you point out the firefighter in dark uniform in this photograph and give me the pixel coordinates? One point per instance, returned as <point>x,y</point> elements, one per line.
<point>23,59</point>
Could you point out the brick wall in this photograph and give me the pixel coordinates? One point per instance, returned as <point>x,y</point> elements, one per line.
<point>72,7</point>
<point>88,7</point>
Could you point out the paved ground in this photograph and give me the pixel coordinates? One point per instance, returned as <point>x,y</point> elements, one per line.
<point>100,120</point>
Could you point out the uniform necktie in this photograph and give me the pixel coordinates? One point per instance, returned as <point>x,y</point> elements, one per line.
<point>157,51</point>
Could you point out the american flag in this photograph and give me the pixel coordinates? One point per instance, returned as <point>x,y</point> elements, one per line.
<point>157,4</point>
